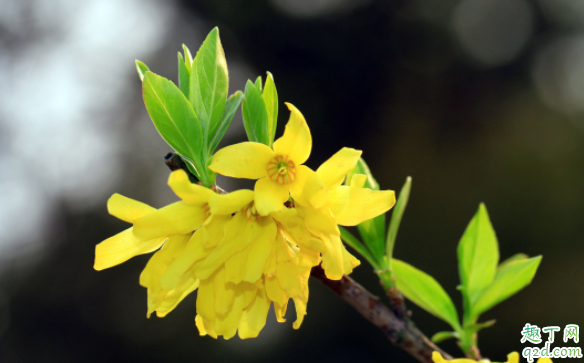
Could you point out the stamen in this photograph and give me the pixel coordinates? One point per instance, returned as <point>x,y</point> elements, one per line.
<point>281,169</point>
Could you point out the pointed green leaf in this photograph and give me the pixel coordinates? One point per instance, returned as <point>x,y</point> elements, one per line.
<point>516,257</point>
<point>209,82</point>
<point>218,132</point>
<point>270,96</point>
<point>174,118</point>
<point>183,76</point>
<point>372,231</point>
<point>188,58</point>
<point>258,84</point>
<point>255,116</point>
<point>444,335</point>
<point>354,243</point>
<point>475,328</point>
<point>510,278</point>
<point>141,68</point>
<point>425,292</point>
<point>396,217</point>
<point>478,254</point>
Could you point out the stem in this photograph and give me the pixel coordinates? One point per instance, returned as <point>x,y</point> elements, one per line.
<point>401,331</point>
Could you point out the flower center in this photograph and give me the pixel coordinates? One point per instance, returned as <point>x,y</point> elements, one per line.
<point>281,169</point>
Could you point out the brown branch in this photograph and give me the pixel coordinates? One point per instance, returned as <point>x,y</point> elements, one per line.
<point>401,331</point>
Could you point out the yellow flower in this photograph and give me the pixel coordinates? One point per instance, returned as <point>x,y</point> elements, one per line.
<point>280,171</point>
<point>224,308</point>
<point>511,358</point>
<point>317,228</point>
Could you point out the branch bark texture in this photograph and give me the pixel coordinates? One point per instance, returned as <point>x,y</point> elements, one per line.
<point>400,330</point>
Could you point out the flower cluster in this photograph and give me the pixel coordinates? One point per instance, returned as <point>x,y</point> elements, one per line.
<point>247,249</point>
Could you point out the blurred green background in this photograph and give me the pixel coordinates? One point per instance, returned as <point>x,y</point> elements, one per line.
<point>477,100</point>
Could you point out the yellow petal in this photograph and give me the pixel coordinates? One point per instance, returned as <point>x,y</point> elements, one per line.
<point>296,142</point>
<point>307,189</point>
<point>224,293</point>
<point>150,276</point>
<point>127,209</point>
<point>514,358</point>
<point>300,303</point>
<point>258,311</point>
<point>333,171</point>
<point>351,205</point>
<point>173,298</point>
<point>274,291</point>
<point>243,330</point>
<point>349,261</point>
<point>173,273</point>
<point>280,311</point>
<point>205,326</point>
<point>259,250</point>
<point>320,219</point>
<point>238,233</point>
<point>358,180</point>
<point>294,229</point>
<point>176,218</point>
<point>247,160</point>
<point>226,325</point>
<point>250,291</point>
<point>270,196</point>
<point>227,204</point>
<point>206,299</point>
<point>190,193</point>
<point>235,265</point>
<point>122,247</point>
<point>332,259</point>
<point>540,360</point>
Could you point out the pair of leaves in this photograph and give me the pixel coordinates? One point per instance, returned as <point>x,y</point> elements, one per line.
<point>194,116</point>
<point>484,285</point>
<point>260,110</point>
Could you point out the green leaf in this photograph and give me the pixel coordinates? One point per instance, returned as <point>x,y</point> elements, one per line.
<point>444,335</point>
<point>188,58</point>
<point>258,84</point>
<point>142,69</point>
<point>209,82</point>
<point>218,132</point>
<point>270,97</point>
<point>373,230</point>
<point>478,255</point>
<point>425,292</point>
<point>354,243</point>
<point>517,257</point>
<point>183,76</point>
<point>510,278</point>
<point>174,119</point>
<point>396,217</point>
<point>474,328</point>
<point>255,116</point>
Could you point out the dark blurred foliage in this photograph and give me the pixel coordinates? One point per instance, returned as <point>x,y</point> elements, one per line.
<point>374,77</point>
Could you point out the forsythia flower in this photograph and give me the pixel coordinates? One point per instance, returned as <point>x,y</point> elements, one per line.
<point>247,249</point>
<point>280,171</point>
<point>511,358</point>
